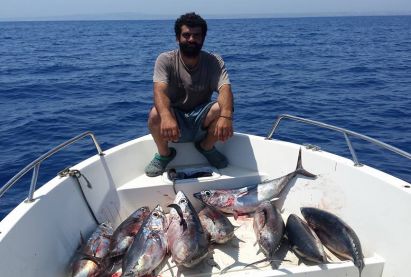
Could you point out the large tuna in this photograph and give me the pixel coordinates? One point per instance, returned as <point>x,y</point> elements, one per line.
<point>269,228</point>
<point>336,235</point>
<point>303,240</point>
<point>216,225</point>
<point>246,200</point>
<point>149,246</point>
<point>187,240</point>
<point>90,261</point>
<point>123,236</point>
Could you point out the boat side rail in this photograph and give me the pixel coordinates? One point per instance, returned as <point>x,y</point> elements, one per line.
<point>345,132</point>
<point>35,165</point>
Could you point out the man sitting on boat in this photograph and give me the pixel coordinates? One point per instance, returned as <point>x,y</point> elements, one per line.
<point>184,81</point>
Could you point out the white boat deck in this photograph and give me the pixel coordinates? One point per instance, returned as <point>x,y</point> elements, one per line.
<point>46,232</point>
<point>231,258</point>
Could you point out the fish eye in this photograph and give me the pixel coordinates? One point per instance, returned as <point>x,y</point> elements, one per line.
<point>155,214</point>
<point>207,193</point>
<point>183,201</point>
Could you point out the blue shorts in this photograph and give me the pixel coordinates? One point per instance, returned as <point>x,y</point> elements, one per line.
<point>191,123</point>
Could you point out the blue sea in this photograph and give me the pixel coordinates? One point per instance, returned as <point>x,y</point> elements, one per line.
<point>59,79</point>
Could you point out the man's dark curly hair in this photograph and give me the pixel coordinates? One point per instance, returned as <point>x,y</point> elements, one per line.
<point>191,20</point>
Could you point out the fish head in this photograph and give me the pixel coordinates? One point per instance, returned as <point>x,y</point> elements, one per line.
<point>105,228</point>
<point>182,201</point>
<point>141,212</point>
<point>158,218</point>
<point>307,213</point>
<point>212,198</point>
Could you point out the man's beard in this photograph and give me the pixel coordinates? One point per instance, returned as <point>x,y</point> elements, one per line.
<point>191,50</point>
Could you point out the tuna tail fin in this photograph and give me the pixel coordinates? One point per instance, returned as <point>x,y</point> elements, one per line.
<point>180,213</point>
<point>300,170</point>
<point>266,260</point>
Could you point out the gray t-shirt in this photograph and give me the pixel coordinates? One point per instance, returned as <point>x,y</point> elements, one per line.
<point>188,88</point>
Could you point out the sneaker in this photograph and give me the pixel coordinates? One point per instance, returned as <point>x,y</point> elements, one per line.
<point>159,163</point>
<point>213,156</point>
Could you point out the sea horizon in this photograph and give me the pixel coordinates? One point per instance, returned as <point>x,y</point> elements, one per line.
<point>153,17</point>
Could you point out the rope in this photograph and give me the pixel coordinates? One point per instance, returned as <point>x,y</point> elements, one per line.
<point>76,174</point>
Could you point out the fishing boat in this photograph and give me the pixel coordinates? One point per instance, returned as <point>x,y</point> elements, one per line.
<point>40,236</point>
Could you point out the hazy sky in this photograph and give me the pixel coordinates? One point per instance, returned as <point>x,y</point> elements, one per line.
<point>50,8</point>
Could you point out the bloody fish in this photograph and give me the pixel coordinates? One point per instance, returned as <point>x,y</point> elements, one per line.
<point>149,246</point>
<point>246,200</point>
<point>187,240</point>
<point>269,228</point>
<point>90,261</point>
<point>123,236</point>
<point>216,225</point>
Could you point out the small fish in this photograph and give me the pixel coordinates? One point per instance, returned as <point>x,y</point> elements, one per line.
<point>336,235</point>
<point>124,235</point>
<point>149,246</point>
<point>90,261</point>
<point>269,228</point>
<point>303,240</point>
<point>187,240</point>
<point>246,200</point>
<point>216,225</point>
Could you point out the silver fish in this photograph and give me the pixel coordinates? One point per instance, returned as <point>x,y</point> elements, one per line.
<point>336,235</point>
<point>90,261</point>
<point>124,235</point>
<point>149,246</point>
<point>303,240</point>
<point>187,240</point>
<point>216,225</point>
<point>268,227</point>
<point>246,200</point>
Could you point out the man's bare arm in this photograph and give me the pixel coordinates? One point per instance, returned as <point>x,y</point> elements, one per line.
<point>169,127</point>
<point>224,126</point>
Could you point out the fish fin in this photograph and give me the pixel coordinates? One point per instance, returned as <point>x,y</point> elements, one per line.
<point>274,199</point>
<point>300,170</point>
<point>180,213</point>
<point>257,262</point>
<point>96,260</point>
<point>267,260</point>
<point>242,192</point>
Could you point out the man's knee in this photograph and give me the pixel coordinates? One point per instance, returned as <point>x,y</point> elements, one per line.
<point>212,114</point>
<point>154,118</point>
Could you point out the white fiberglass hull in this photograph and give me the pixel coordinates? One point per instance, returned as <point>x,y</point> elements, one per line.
<point>40,238</point>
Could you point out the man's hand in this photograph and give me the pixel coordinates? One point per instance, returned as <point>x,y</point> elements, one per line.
<point>223,129</point>
<point>169,128</point>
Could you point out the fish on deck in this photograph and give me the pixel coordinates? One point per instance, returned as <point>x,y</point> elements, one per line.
<point>216,225</point>
<point>303,241</point>
<point>91,259</point>
<point>336,235</point>
<point>124,235</point>
<point>187,240</point>
<point>149,247</point>
<point>245,200</point>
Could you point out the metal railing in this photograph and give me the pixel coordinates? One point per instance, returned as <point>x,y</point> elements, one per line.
<point>35,165</point>
<point>345,132</point>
